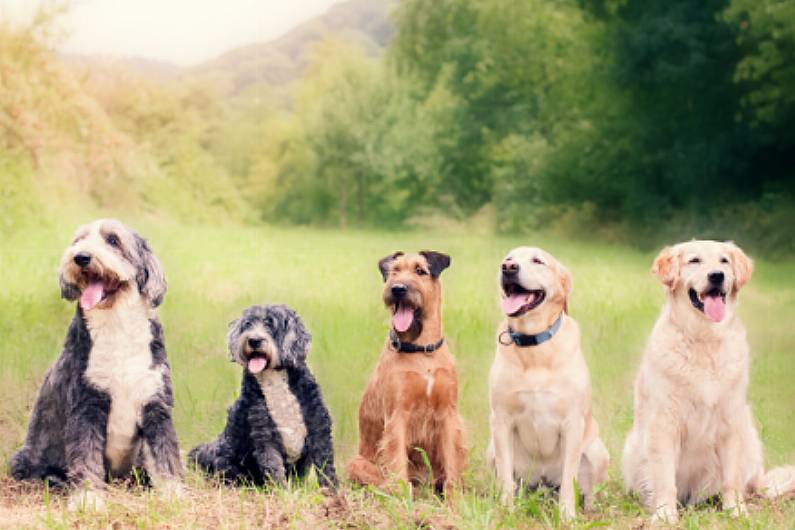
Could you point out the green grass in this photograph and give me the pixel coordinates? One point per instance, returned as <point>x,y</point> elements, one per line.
<point>332,280</point>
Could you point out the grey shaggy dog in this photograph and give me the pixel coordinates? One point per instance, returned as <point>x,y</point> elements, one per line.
<point>104,408</point>
<point>279,426</point>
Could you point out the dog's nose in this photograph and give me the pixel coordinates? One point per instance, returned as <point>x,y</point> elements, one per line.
<point>509,267</point>
<point>715,277</point>
<point>254,343</point>
<point>82,259</point>
<point>399,290</point>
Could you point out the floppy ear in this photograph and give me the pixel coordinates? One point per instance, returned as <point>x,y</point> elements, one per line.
<point>297,340</point>
<point>742,265</point>
<point>436,261</point>
<point>385,262</point>
<point>566,282</point>
<point>150,278</point>
<point>666,266</point>
<point>69,291</point>
<point>231,340</point>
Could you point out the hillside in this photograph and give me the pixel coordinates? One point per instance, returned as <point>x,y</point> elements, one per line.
<point>279,62</point>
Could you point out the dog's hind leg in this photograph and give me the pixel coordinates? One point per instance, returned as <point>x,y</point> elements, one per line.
<point>364,472</point>
<point>21,467</point>
<point>593,470</point>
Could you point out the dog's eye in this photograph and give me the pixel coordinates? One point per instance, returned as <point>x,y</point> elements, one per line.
<point>694,260</point>
<point>538,261</point>
<point>420,271</point>
<point>724,260</point>
<point>112,240</point>
<point>270,322</point>
<point>245,325</point>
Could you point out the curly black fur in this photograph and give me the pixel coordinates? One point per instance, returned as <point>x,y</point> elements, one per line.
<point>250,449</point>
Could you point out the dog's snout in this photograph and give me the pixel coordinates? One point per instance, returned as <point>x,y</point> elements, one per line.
<point>254,343</point>
<point>510,267</point>
<point>399,290</point>
<point>82,259</point>
<point>716,277</point>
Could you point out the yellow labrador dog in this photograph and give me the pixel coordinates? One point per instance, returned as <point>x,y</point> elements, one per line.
<point>693,436</point>
<point>542,430</point>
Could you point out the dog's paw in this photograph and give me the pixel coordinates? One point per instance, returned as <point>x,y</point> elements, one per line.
<point>737,509</point>
<point>665,513</point>
<point>171,490</point>
<point>86,500</point>
<point>507,496</point>
<point>567,511</point>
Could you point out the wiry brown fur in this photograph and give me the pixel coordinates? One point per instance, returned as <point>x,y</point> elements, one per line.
<point>410,404</point>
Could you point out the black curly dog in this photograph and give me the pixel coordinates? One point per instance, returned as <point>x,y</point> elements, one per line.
<point>279,426</point>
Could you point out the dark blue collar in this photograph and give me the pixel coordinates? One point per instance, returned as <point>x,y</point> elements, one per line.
<point>523,341</point>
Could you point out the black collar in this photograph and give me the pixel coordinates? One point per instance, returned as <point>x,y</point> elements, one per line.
<point>409,347</point>
<point>522,340</point>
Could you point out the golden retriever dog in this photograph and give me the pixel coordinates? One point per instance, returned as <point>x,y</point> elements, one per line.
<point>409,411</point>
<point>542,429</point>
<point>693,435</point>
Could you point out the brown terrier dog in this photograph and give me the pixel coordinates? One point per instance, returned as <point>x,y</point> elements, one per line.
<point>409,409</point>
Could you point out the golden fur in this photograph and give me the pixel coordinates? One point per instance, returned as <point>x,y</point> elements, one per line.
<point>542,430</point>
<point>410,404</point>
<point>693,435</point>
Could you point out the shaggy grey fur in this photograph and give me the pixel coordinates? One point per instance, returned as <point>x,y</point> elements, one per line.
<point>250,449</point>
<point>66,436</point>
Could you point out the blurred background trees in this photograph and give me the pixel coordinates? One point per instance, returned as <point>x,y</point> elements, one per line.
<point>644,120</point>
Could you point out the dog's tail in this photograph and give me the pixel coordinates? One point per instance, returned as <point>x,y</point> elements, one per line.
<point>364,472</point>
<point>778,482</point>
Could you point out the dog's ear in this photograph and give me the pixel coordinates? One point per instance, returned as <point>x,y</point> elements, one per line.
<point>666,266</point>
<point>150,277</point>
<point>566,283</point>
<point>385,262</point>
<point>436,261</point>
<point>231,340</point>
<point>742,265</point>
<point>296,341</point>
<point>69,291</point>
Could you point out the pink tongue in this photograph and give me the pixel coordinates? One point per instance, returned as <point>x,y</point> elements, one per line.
<point>257,364</point>
<point>91,295</point>
<point>713,307</point>
<point>402,319</point>
<point>512,304</point>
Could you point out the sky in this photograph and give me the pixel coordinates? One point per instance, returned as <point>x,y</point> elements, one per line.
<point>184,32</point>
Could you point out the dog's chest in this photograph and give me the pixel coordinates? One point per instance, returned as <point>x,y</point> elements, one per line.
<point>120,364</point>
<point>539,421</point>
<point>285,411</point>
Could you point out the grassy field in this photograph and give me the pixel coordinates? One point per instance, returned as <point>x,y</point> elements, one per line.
<point>331,279</point>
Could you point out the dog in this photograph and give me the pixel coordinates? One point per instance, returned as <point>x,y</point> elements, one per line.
<point>104,408</point>
<point>542,428</point>
<point>693,435</point>
<point>279,425</point>
<point>409,411</point>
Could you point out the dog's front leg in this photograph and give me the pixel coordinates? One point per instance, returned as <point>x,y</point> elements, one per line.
<point>453,451</point>
<point>265,445</point>
<point>502,438</point>
<point>572,435</point>
<point>85,437</point>
<point>394,446</point>
<point>161,449</point>
<point>661,457</point>
<point>730,456</point>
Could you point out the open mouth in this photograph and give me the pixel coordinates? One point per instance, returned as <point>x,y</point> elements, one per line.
<point>711,302</point>
<point>403,316</point>
<point>517,300</point>
<point>98,291</point>
<point>257,362</point>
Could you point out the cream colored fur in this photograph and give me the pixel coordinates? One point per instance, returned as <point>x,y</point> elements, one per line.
<point>285,411</point>
<point>541,423</point>
<point>693,435</point>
